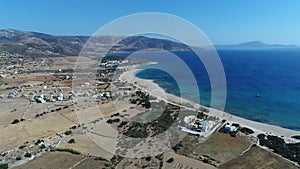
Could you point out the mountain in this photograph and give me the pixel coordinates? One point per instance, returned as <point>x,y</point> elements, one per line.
<point>39,44</point>
<point>256,45</point>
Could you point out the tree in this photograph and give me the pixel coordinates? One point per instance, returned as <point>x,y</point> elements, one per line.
<point>4,166</point>
<point>170,160</point>
<point>71,141</point>
<point>68,132</point>
<point>27,154</point>
<point>147,105</point>
<point>15,121</point>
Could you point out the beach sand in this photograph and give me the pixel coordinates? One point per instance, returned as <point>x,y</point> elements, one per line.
<point>152,88</point>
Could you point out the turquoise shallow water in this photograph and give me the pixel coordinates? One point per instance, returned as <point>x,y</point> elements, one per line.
<point>273,74</point>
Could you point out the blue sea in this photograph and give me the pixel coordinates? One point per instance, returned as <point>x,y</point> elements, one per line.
<point>274,75</point>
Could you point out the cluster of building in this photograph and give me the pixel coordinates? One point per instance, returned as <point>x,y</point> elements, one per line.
<point>112,63</point>
<point>195,124</point>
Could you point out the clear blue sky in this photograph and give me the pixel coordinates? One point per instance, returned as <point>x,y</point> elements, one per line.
<point>223,21</point>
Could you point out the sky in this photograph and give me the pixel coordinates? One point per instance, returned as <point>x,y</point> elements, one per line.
<point>222,21</point>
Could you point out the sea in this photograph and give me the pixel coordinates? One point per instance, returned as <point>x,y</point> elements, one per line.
<point>261,85</point>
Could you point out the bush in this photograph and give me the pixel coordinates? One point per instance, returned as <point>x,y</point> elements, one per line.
<point>42,146</point>
<point>68,132</point>
<point>27,154</point>
<point>233,134</point>
<point>100,159</point>
<point>147,105</point>
<point>72,141</point>
<point>38,142</point>
<point>296,137</point>
<point>66,150</point>
<point>22,146</point>
<point>170,160</point>
<point>246,131</point>
<point>148,158</point>
<point>18,158</point>
<point>4,166</point>
<point>15,121</point>
<point>110,121</point>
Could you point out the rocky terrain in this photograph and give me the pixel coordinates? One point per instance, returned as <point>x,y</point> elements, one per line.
<point>38,44</point>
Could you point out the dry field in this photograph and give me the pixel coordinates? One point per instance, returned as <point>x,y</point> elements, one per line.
<point>14,135</point>
<point>182,162</point>
<point>91,163</point>
<point>257,158</point>
<point>11,109</point>
<point>84,144</point>
<point>220,146</point>
<point>53,160</point>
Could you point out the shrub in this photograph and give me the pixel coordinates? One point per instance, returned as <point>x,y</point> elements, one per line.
<point>246,130</point>
<point>148,158</point>
<point>170,160</point>
<point>296,137</point>
<point>205,160</point>
<point>110,121</point>
<point>100,159</point>
<point>233,134</point>
<point>68,132</point>
<point>66,150</point>
<point>27,154</point>
<point>4,166</point>
<point>42,146</point>
<point>22,146</point>
<point>18,158</point>
<point>71,141</point>
<point>147,105</point>
<point>38,142</point>
<point>15,121</point>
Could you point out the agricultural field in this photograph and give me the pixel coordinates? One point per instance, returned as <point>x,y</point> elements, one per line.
<point>221,147</point>
<point>258,158</point>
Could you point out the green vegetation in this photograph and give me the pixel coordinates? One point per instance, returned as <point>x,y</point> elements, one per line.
<point>246,130</point>
<point>21,147</point>
<point>66,150</point>
<point>110,121</point>
<point>296,137</point>
<point>42,146</point>
<point>116,114</point>
<point>4,166</point>
<point>279,146</point>
<point>201,115</point>
<point>15,121</point>
<point>170,160</point>
<point>71,141</point>
<point>144,99</point>
<point>100,159</point>
<point>68,132</point>
<point>159,125</point>
<point>27,154</point>
<point>38,142</point>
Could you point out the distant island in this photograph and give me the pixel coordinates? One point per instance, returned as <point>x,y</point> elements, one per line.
<point>257,45</point>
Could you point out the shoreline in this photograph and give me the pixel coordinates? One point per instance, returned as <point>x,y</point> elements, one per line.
<point>160,93</point>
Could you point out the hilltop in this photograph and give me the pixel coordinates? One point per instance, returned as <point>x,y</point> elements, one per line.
<point>39,44</point>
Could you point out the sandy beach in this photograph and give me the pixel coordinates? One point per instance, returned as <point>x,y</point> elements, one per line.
<point>160,93</point>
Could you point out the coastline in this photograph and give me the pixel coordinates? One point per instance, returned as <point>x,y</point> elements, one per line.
<point>160,93</point>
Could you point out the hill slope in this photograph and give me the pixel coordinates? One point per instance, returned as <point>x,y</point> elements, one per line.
<point>39,44</point>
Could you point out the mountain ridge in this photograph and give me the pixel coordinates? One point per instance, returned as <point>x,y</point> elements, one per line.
<point>40,44</point>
